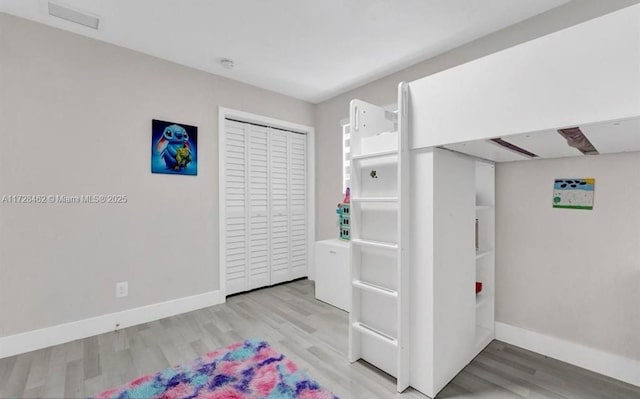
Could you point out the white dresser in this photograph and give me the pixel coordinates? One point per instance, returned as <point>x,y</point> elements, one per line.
<point>333,284</point>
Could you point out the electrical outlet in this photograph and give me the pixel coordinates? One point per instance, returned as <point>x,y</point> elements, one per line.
<point>122,289</point>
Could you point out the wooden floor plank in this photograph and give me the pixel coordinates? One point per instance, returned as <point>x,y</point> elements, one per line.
<point>74,378</point>
<point>16,383</point>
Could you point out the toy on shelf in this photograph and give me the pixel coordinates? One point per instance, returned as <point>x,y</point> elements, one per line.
<point>478,287</point>
<point>344,214</point>
<point>347,196</point>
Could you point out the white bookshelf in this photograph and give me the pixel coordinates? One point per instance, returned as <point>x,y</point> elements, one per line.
<point>450,324</point>
<point>485,256</point>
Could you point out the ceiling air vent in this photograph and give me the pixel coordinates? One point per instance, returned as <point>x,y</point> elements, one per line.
<point>513,147</point>
<point>576,139</point>
<point>75,16</point>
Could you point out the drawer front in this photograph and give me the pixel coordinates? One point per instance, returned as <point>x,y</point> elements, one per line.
<point>333,284</point>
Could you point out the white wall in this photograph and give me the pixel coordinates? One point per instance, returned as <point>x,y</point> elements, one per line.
<point>76,117</point>
<point>384,91</point>
<point>571,274</point>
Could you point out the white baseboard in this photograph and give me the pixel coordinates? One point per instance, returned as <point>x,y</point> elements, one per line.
<point>609,364</point>
<point>62,333</point>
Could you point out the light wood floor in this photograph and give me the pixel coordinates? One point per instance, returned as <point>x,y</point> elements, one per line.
<point>310,332</point>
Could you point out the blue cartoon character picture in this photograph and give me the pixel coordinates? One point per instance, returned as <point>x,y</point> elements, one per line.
<point>173,148</point>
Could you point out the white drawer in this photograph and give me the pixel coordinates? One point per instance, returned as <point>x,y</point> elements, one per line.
<point>332,269</point>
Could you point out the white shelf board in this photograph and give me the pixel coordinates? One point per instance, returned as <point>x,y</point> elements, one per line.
<point>374,244</point>
<point>375,288</point>
<point>483,207</point>
<point>374,199</point>
<point>483,298</point>
<point>372,332</point>
<point>482,253</point>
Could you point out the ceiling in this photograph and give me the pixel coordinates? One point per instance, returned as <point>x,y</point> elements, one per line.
<point>308,49</point>
<point>607,137</point>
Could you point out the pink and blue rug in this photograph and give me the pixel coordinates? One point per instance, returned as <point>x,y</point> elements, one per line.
<point>245,370</point>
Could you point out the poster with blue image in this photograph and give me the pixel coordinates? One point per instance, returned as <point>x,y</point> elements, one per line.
<point>174,148</point>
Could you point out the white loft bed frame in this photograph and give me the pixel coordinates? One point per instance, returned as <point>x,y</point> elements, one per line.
<point>582,75</point>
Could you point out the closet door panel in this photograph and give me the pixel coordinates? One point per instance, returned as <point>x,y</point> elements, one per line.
<point>235,207</point>
<point>265,202</point>
<point>258,213</point>
<point>298,204</point>
<point>279,201</point>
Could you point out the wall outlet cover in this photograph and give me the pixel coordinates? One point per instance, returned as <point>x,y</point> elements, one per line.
<point>122,289</point>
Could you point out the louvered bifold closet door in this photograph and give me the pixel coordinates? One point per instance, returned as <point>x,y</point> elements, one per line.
<point>258,198</point>
<point>279,201</point>
<point>298,204</point>
<point>235,203</point>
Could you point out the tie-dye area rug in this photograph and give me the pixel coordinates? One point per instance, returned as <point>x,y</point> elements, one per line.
<point>245,370</point>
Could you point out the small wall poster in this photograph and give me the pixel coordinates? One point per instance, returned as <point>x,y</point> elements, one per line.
<point>174,148</point>
<point>573,193</point>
